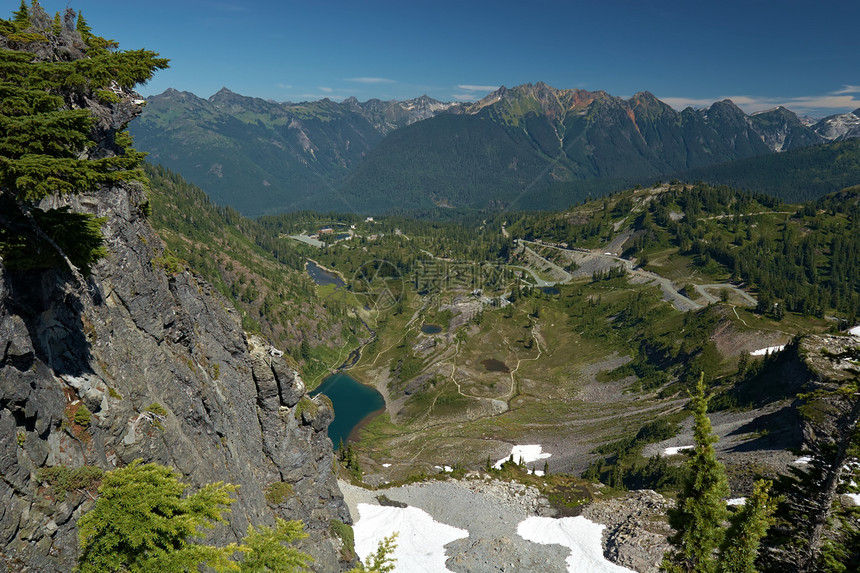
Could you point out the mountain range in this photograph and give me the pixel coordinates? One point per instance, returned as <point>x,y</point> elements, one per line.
<point>531,146</point>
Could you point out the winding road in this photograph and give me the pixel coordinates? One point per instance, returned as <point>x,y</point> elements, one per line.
<point>670,291</point>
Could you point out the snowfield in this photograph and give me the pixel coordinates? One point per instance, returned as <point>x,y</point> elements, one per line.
<point>528,454</point>
<point>766,351</point>
<point>674,451</point>
<point>579,535</point>
<point>854,331</point>
<point>420,541</point>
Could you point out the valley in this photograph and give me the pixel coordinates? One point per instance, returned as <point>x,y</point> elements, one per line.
<point>540,330</point>
<point>554,362</point>
<point>578,332</point>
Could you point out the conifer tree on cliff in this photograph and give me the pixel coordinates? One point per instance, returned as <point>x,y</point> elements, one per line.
<point>50,79</point>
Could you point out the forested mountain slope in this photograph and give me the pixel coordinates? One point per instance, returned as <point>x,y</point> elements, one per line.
<point>531,146</point>
<point>259,271</point>
<point>798,175</point>
<point>266,157</point>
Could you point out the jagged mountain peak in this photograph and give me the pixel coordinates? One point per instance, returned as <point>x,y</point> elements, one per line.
<point>775,110</point>
<point>222,93</point>
<point>539,98</point>
<point>174,94</point>
<point>780,129</point>
<point>725,106</point>
<point>645,97</point>
<point>839,127</point>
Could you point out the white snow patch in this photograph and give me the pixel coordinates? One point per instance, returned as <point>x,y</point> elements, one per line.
<point>737,501</point>
<point>420,541</point>
<point>674,451</point>
<point>768,350</point>
<point>854,331</point>
<point>527,454</point>
<point>802,461</point>
<point>447,469</point>
<point>581,536</point>
<point>855,497</point>
<point>386,465</point>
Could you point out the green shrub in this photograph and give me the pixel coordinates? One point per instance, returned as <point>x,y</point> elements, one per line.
<point>278,492</point>
<point>345,533</point>
<point>171,264</point>
<point>63,479</point>
<point>305,405</point>
<point>83,417</point>
<point>107,96</point>
<point>157,409</point>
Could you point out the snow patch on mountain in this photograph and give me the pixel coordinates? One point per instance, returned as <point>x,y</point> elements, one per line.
<point>581,536</point>
<point>839,127</point>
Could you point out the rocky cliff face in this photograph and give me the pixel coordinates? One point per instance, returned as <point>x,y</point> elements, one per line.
<point>161,363</point>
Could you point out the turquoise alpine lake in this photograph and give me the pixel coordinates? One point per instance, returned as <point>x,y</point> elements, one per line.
<point>353,402</point>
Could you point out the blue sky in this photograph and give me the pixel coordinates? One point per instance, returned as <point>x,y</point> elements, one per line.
<point>803,55</point>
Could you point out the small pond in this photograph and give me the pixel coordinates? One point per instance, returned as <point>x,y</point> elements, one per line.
<point>431,328</point>
<point>353,403</point>
<point>493,365</point>
<point>550,290</point>
<point>321,276</point>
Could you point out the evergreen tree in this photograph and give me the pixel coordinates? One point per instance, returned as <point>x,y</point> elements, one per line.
<point>823,534</point>
<point>265,551</point>
<point>701,508</point>
<point>748,527</point>
<point>142,522</point>
<point>21,17</point>
<point>46,138</point>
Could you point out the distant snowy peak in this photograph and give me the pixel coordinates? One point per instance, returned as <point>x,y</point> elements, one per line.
<point>839,127</point>
<point>780,129</point>
<point>425,107</point>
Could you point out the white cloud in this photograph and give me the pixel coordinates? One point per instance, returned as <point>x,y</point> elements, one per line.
<point>284,86</point>
<point>325,89</point>
<point>848,90</point>
<point>474,88</point>
<point>371,80</point>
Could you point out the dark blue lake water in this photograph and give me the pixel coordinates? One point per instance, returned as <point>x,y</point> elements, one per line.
<point>431,329</point>
<point>321,276</point>
<point>352,401</point>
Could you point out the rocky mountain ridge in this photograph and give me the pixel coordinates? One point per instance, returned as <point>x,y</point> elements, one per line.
<point>839,127</point>
<point>265,157</point>
<point>168,376</point>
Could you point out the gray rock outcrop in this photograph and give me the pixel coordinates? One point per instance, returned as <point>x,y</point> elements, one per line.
<point>142,361</point>
<point>636,530</point>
